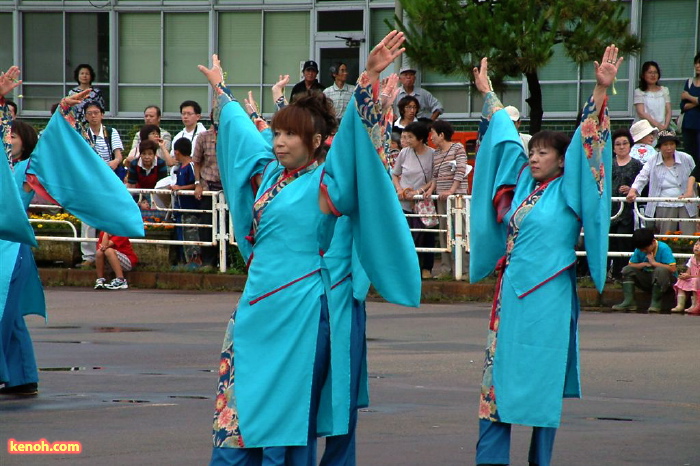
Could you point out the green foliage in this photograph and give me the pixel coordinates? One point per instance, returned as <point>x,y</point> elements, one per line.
<point>518,36</point>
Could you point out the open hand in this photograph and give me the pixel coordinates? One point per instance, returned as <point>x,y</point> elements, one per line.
<point>9,80</point>
<point>75,99</point>
<point>278,87</point>
<point>385,52</point>
<point>481,77</point>
<point>251,106</point>
<point>388,90</point>
<point>215,75</point>
<point>606,70</point>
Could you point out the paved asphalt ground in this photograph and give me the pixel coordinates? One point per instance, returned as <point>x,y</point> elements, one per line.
<point>141,388</point>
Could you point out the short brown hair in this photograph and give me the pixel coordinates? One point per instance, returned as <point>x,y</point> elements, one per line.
<point>307,116</point>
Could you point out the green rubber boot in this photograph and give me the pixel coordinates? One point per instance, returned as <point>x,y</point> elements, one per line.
<point>656,295</point>
<point>628,304</point>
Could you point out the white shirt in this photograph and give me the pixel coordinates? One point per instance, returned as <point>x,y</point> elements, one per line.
<point>191,135</point>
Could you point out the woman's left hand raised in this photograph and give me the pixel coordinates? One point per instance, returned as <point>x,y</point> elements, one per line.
<point>385,52</point>
<point>388,90</point>
<point>215,75</point>
<point>75,99</point>
<point>606,70</point>
<point>9,80</point>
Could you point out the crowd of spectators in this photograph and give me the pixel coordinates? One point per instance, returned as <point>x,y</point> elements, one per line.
<point>424,159</point>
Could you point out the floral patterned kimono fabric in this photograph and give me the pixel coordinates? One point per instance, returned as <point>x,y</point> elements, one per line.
<point>264,391</point>
<point>532,348</point>
<point>21,292</point>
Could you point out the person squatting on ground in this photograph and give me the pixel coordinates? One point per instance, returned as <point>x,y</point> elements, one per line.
<point>268,413</point>
<point>118,253</point>
<point>567,184</point>
<point>652,267</point>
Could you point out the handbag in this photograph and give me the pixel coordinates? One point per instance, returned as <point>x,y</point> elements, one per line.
<point>425,207</point>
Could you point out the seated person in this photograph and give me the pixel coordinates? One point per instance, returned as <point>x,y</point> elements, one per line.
<point>652,267</point>
<point>146,170</point>
<point>120,256</point>
<point>186,181</point>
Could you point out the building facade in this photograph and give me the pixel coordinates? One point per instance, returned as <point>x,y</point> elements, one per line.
<point>147,51</point>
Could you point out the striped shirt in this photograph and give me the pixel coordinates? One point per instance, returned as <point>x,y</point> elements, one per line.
<point>99,142</point>
<point>449,167</point>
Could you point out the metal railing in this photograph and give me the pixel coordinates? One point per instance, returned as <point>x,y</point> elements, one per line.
<point>456,219</point>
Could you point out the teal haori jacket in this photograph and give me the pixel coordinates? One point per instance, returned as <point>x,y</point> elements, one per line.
<point>268,351</point>
<point>536,360</point>
<point>65,168</point>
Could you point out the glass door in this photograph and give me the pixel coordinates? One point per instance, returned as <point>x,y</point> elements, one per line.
<point>331,52</point>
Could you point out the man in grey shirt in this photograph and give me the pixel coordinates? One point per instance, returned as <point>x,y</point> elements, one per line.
<point>430,107</point>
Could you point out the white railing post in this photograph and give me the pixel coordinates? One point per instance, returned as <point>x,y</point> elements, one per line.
<point>459,238</point>
<point>221,214</point>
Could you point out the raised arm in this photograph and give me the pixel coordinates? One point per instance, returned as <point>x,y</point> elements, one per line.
<point>278,91</point>
<point>8,81</point>
<point>605,73</point>
<point>69,111</point>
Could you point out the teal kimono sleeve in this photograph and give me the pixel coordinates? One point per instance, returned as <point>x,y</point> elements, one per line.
<point>14,225</point>
<point>587,172</point>
<point>357,185</point>
<point>499,162</point>
<point>241,152</point>
<point>79,180</point>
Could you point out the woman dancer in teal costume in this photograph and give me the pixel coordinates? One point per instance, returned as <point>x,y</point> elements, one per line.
<point>277,339</point>
<point>532,349</point>
<point>348,388</point>
<point>20,289</point>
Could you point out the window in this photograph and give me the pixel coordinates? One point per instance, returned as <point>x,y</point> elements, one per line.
<point>49,58</point>
<point>162,69</point>
<point>285,49</point>
<point>671,44</point>
<point>240,50</point>
<point>6,52</point>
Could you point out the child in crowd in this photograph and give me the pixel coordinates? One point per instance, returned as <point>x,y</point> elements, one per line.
<point>688,281</point>
<point>652,267</point>
<point>119,255</point>
<point>186,181</point>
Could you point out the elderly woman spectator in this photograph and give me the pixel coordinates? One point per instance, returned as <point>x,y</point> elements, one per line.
<point>84,75</point>
<point>146,170</point>
<point>667,174</point>
<point>450,172</point>
<point>652,102</point>
<point>408,109</point>
<point>643,135</point>
<point>625,169</point>
<point>339,92</point>
<point>690,107</point>
<point>413,175</point>
<point>152,132</point>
